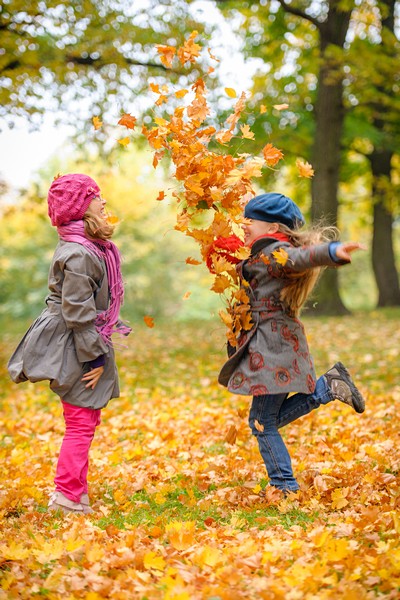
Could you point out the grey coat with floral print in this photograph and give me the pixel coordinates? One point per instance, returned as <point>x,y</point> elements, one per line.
<point>273,357</point>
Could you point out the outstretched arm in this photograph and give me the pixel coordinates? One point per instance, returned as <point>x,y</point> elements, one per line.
<point>344,250</point>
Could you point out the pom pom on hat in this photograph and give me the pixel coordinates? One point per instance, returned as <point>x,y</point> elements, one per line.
<point>274,208</point>
<point>69,197</point>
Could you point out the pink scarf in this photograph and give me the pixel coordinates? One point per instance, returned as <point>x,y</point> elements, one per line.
<point>107,251</point>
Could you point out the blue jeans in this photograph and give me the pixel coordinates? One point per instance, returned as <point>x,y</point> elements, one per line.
<point>274,411</point>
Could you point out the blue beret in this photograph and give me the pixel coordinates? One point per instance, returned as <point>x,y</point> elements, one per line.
<point>274,208</point>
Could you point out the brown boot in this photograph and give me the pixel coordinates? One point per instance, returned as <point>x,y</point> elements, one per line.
<point>86,504</point>
<point>60,502</point>
<point>342,387</point>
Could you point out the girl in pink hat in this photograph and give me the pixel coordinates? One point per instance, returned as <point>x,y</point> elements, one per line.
<point>70,342</point>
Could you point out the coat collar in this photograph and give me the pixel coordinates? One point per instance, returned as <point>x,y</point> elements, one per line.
<point>260,244</point>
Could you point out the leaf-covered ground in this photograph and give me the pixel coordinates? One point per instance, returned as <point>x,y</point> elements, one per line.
<point>179,516</point>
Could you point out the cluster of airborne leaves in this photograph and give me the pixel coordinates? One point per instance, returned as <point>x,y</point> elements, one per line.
<point>214,183</point>
<point>179,514</point>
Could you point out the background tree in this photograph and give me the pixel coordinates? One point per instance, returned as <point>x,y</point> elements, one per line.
<point>375,83</point>
<point>82,57</point>
<point>307,50</point>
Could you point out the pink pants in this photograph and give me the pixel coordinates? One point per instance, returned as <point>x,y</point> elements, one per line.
<point>73,461</point>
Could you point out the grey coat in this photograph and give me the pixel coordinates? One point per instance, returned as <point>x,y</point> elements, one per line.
<point>273,357</point>
<point>63,338</point>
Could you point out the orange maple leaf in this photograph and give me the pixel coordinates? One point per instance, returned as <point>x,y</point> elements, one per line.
<point>167,54</point>
<point>189,51</point>
<point>272,155</point>
<point>192,261</point>
<point>304,168</point>
<point>149,321</point>
<point>127,121</point>
<point>161,195</point>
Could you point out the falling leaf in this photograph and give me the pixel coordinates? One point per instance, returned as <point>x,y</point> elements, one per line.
<point>272,155</point>
<point>246,132</point>
<point>97,123</point>
<point>181,93</point>
<point>304,168</point>
<point>192,261</point>
<point>186,295</point>
<point>154,88</point>
<point>161,195</point>
<point>124,141</point>
<point>127,121</point>
<point>230,92</point>
<point>258,426</point>
<point>212,55</point>
<point>263,109</point>
<point>189,51</point>
<point>281,256</point>
<point>149,321</point>
<point>167,54</point>
<point>281,106</point>
<point>112,220</point>
<point>231,435</point>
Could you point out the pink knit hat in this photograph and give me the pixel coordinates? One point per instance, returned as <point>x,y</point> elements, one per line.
<point>69,197</point>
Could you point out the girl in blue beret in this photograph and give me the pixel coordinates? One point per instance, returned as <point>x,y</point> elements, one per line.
<point>272,362</point>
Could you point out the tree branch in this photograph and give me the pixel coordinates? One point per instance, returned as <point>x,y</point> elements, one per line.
<point>299,13</point>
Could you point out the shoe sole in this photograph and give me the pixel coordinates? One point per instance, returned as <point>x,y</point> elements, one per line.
<point>358,400</point>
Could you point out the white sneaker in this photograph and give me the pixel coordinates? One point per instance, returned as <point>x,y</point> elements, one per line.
<point>60,502</point>
<point>86,504</point>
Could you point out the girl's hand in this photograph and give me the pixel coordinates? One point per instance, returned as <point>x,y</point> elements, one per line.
<point>92,377</point>
<point>344,250</point>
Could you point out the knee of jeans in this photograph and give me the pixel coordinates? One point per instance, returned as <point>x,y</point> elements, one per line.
<point>256,427</point>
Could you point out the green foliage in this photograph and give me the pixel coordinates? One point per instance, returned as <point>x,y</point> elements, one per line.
<point>80,56</point>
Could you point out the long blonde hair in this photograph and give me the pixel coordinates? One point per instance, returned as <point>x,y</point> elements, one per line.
<point>299,289</point>
<point>96,227</point>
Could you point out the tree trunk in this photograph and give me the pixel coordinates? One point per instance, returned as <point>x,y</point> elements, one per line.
<point>383,258</point>
<point>329,117</point>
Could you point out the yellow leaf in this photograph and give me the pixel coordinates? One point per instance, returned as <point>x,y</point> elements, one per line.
<point>124,141</point>
<point>281,106</point>
<point>94,552</point>
<point>14,551</point>
<point>263,109</point>
<point>49,551</point>
<point>281,256</point>
<point>230,92</point>
<point>181,93</point>
<point>97,123</point>
<point>181,535</point>
<point>210,556</point>
<point>337,549</point>
<point>258,426</point>
<point>152,561</point>
<point>186,295</point>
<point>246,132</point>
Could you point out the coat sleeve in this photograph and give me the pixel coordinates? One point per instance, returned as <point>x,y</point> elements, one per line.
<point>299,259</point>
<point>82,278</point>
